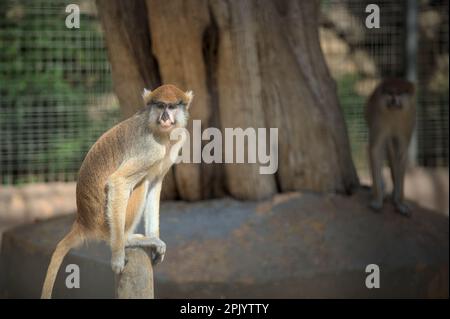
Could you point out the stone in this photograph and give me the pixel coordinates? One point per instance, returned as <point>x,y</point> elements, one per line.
<point>296,245</point>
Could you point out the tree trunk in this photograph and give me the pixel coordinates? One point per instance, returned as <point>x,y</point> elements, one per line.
<point>251,64</point>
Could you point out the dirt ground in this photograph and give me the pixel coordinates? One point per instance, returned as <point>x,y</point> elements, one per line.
<point>293,245</point>
<point>424,186</point>
<point>427,187</point>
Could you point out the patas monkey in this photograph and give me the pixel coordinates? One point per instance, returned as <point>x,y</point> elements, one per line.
<point>121,177</point>
<point>390,114</point>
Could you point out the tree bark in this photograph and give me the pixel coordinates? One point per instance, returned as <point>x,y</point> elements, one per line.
<point>177,45</point>
<point>136,279</point>
<point>240,89</point>
<point>251,64</point>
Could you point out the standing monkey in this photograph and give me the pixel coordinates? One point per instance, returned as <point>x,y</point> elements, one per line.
<point>121,178</point>
<point>390,114</point>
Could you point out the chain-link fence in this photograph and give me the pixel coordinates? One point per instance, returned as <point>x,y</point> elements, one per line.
<point>412,43</point>
<point>56,92</point>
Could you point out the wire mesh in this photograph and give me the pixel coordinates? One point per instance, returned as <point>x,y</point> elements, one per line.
<point>359,57</point>
<point>56,93</point>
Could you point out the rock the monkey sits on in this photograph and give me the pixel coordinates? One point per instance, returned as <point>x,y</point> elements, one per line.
<point>391,115</point>
<point>120,179</point>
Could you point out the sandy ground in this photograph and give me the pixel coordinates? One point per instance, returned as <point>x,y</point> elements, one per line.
<point>426,187</point>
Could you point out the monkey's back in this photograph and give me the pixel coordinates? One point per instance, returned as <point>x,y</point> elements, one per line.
<point>103,159</point>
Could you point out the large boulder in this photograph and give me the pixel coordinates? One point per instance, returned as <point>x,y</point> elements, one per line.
<point>293,245</point>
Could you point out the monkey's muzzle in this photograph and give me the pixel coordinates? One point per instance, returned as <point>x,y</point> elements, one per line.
<point>165,121</point>
<point>166,124</point>
<point>394,103</point>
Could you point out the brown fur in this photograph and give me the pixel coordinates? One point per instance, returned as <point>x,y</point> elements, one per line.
<point>114,180</point>
<point>396,86</point>
<point>390,131</point>
<point>167,94</point>
<point>110,149</point>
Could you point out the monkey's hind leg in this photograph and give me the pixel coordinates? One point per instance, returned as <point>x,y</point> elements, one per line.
<point>397,160</point>
<point>118,194</point>
<point>73,239</point>
<point>136,203</point>
<point>393,163</point>
<point>157,246</point>
<point>376,156</point>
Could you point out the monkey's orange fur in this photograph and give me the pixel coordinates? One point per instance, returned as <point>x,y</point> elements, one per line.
<point>121,177</point>
<point>168,94</point>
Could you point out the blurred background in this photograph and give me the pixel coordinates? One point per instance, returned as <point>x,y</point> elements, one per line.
<point>57,96</point>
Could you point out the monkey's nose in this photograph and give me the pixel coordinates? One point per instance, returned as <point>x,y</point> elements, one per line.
<point>397,103</point>
<point>165,123</point>
<point>165,116</point>
<point>394,102</point>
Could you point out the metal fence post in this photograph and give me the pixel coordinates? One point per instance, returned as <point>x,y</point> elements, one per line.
<point>411,65</point>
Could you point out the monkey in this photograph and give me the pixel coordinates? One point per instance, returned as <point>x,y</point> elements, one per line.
<point>120,180</point>
<point>390,114</point>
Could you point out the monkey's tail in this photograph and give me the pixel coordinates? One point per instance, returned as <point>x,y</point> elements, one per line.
<point>73,239</point>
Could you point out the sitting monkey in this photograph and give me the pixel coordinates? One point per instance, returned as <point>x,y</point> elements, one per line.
<point>120,179</point>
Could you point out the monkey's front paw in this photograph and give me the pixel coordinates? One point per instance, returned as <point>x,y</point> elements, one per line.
<point>118,263</point>
<point>157,246</point>
<point>402,209</point>
<point>158,250</point>
<point>376,206</point>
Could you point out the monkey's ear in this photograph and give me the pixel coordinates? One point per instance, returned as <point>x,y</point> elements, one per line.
<point>146,94</point>
<point>189,97</point>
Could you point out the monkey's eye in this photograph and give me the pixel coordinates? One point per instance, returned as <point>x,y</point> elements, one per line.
<point>172,106</point>
<point>160,105</point>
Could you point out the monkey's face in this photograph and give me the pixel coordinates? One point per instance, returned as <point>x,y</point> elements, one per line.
<point>168,107</point>
<point>165,116</point>
<point>395,100</point>
<point>396,93</point>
